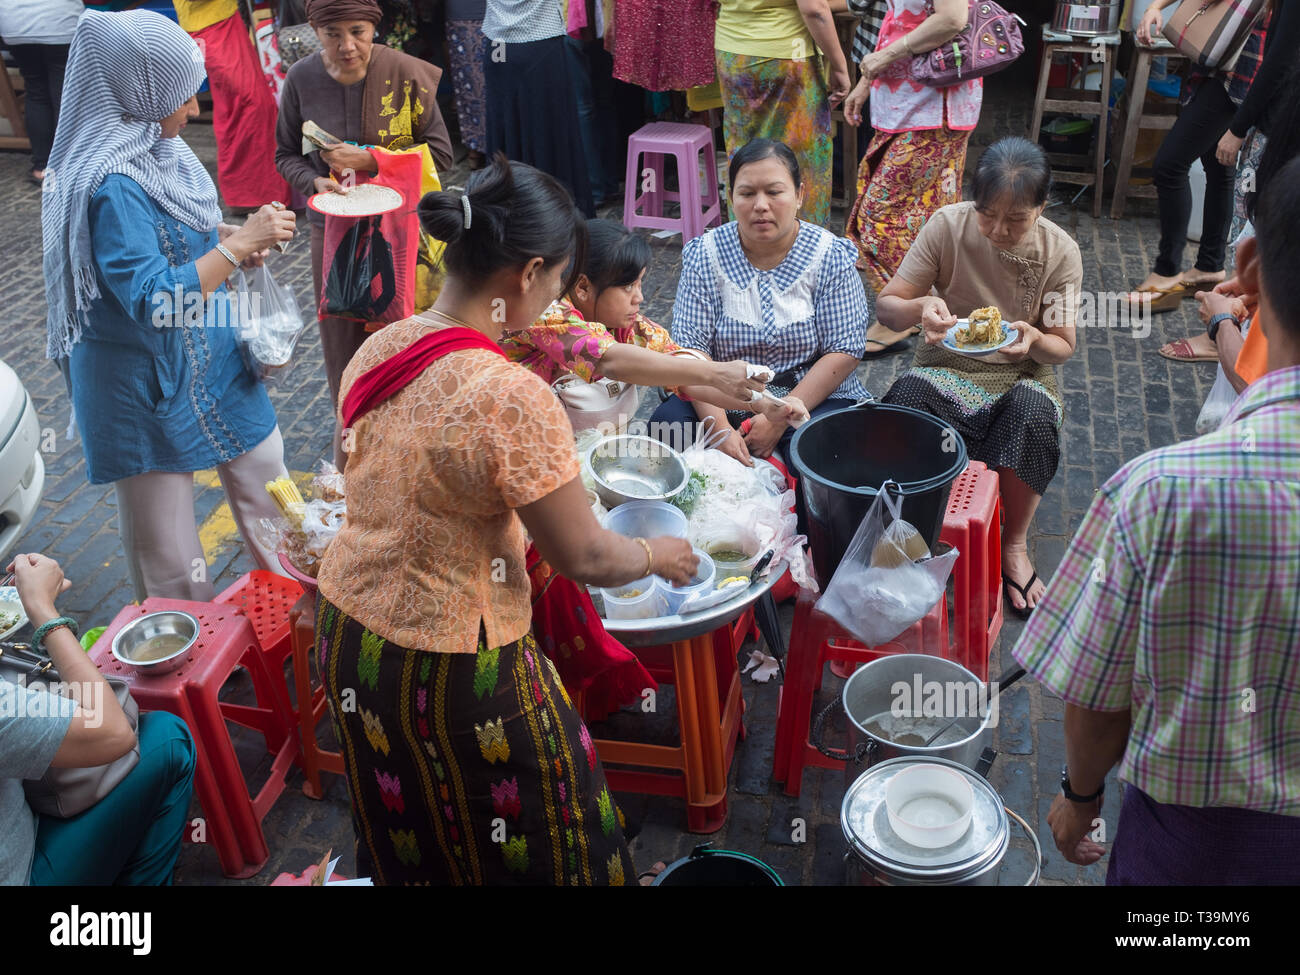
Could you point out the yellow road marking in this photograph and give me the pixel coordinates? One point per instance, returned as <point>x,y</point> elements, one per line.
<point>219,528</point>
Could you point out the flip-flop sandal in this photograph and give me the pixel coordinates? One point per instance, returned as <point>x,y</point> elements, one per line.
<point>901,344</point>
<point>1026,611</point>
<point>1180,350</point>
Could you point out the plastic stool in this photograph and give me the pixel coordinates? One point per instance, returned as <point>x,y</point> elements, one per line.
<point>973,525</point>
<point>226,641</point>
<point>699,210</point>
<point>312,703</point>
<point>705,674</point>
<point>814,640</point>
<point>265,598</point>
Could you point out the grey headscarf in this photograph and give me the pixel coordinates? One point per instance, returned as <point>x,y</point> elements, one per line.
<point>126,72</point>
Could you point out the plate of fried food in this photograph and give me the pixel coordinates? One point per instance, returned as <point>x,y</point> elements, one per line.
<point>984,332</point>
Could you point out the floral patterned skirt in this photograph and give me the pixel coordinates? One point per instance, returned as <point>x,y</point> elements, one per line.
<point>787,101</point>
<point>903,179</point>
<point>466,768</point>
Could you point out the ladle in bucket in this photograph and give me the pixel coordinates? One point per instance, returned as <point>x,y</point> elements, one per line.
<point>1006,681</point>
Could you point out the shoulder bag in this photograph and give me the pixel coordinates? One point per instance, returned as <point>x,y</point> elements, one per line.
<point>1211,33</point>
<point>65,792</point>
<point>990,42</point>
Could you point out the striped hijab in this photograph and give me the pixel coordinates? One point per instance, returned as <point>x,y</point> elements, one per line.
<point>126,72</point>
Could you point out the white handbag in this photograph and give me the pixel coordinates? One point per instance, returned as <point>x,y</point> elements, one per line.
<point>606,401</point>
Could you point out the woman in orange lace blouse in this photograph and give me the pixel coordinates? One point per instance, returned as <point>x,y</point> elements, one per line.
<point>597,332</point>
<point>454,721</point>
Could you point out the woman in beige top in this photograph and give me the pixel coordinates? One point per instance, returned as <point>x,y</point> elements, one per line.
<point>466,762</point>
<point>997,250</point>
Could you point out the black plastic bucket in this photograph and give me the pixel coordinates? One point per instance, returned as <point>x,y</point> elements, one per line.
<point>841,458</point>
<point>707,867</point>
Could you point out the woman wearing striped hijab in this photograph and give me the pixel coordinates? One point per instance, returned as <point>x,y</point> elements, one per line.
<point>136,262</point>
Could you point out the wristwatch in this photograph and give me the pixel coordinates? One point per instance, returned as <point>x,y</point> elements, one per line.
<point>1212,330</point>
<point>1074,796</point>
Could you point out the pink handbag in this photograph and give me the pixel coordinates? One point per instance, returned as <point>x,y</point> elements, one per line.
<point>990,42</point>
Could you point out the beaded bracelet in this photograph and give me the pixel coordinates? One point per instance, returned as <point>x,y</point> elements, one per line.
<point>44,630</point>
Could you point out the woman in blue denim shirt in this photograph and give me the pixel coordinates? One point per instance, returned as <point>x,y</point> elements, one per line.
<point>138,306</point>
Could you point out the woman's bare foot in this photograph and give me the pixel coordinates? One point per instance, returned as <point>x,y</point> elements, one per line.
<point>647,877</point>
<point>1017,567</point>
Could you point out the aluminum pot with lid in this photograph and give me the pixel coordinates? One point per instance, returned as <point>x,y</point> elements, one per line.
<point>878,857</point>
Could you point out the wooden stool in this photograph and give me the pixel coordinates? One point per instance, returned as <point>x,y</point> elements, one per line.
<point>1136,115</point>
<point>12,112</point>
<point>1100,50</point>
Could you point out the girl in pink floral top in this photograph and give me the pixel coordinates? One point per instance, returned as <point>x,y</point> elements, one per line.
<point>597,332</point>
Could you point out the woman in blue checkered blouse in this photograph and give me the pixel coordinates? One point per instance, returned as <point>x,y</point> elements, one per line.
<point>771,289</point>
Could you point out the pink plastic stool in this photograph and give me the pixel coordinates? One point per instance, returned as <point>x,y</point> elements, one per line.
<point>699,209</point>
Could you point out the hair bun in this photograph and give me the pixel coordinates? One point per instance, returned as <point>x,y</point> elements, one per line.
<point>442,215</point>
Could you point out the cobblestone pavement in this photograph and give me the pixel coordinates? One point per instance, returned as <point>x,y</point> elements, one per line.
<point>1121,400</point>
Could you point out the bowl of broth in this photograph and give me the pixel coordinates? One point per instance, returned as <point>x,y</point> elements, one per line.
<point>156,643</point>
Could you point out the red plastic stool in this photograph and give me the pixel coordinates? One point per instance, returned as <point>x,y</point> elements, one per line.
<point>226,641</point>
<point>315,759</point>
<point>973,525</point>
<point>814,640</point>
<point>266,598</point>
<point>700,208</point>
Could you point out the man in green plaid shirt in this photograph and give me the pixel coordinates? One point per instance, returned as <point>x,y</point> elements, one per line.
<point>1172,627</point>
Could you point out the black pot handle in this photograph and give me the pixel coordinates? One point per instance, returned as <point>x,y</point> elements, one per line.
<point>987,758</point>
<point>865,749</point>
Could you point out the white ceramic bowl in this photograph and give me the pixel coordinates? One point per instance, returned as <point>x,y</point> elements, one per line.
<point>10,604</point>
<point>929,805</point>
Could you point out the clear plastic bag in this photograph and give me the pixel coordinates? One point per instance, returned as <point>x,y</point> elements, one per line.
<point>1217,404</point>
<point>269,320</point>
<point>886,581</point>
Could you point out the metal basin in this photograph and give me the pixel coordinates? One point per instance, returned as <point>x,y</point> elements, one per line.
<point>629,468</point>
<point>153,633</point>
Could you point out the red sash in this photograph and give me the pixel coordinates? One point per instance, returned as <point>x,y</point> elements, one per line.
<point>391,376</point>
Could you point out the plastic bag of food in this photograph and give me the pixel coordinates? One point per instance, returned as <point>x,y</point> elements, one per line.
<point>328,483</point>
<point>1217,404</point>
<point>887,579</point>
<point>269,321</point>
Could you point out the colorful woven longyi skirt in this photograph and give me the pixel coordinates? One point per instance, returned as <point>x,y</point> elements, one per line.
<point>466,768</point>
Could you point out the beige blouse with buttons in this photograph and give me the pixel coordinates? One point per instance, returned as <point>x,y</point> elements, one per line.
<point>432,545</point>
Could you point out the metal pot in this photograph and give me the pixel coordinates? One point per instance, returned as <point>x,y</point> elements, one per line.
<point>899,690</point>
<point>877,857</point>
<point>1088,19</point>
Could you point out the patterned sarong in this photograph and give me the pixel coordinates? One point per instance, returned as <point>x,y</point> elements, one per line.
<point>902,180</point>
<point>788,101</point>
<point>466,768</point>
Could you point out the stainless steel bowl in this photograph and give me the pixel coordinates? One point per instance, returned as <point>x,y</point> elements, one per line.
<point>628,468</point>
<point>136,634</point>
<point>1088,19</point>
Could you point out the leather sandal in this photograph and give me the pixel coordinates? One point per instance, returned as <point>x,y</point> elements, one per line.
<point>1180,350</point>
<point>1163,299</point>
